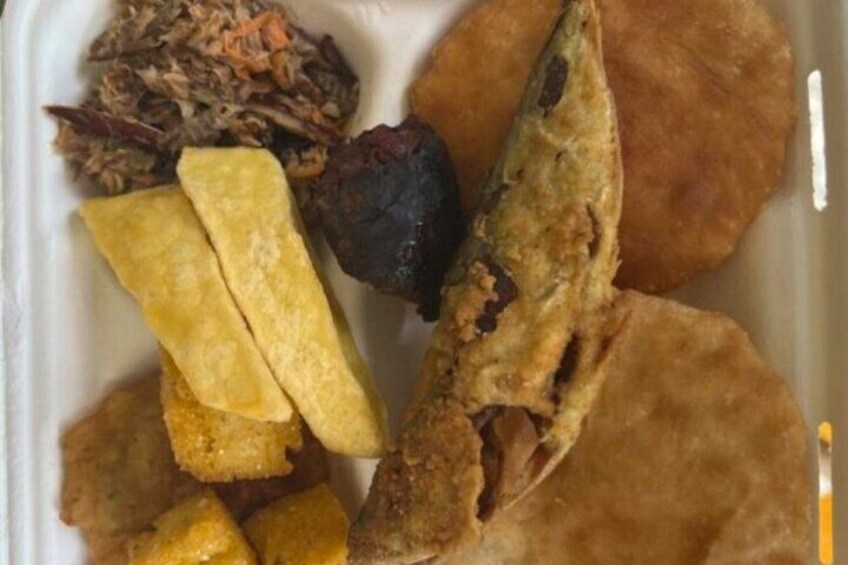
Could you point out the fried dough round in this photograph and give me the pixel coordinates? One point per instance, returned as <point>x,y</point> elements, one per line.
<point>705,98</point>
<point>477,76</point>
<point>694,453</point>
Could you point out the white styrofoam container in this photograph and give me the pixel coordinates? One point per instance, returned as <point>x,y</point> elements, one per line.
<point>71,333</point>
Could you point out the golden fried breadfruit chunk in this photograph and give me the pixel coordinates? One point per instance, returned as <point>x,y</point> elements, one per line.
<point>217,446</point>
<point>307,528</point>
<point>516,359</point>
<point>159,251</point>
<point>198,531</point>
<point>704,90</point>
<point>120,473</point>
<point>242,198</point>
<point>693,453</point>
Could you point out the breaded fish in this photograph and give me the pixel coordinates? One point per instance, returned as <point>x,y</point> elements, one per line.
<point>516,359</point>
<point>120,473</point>
<point>693,453</point>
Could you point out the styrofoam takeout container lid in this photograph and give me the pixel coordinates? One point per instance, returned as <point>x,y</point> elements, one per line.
<point>71,333</point>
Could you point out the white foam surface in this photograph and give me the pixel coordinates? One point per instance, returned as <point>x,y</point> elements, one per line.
<point>72,334</point>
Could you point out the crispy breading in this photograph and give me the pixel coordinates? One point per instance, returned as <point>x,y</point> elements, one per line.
<point>527,284</point>
<point>307,528</point>
<point>311,467</point>
<point>120,473</point>
<point>704,90</point>
<point>198,531</point>
<point>693,453</point>
<point>217,446</point>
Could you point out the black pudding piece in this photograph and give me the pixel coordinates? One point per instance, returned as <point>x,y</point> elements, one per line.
<point>388,204</point>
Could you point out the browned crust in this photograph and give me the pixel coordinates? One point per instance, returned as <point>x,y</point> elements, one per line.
<point>537,266</point>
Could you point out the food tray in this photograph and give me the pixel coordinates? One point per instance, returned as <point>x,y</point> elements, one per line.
<point>71,333</point>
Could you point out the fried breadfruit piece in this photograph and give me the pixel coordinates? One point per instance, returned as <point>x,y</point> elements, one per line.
<point>517,358</point>
<point>217,446</point>
<point>159,251</point>
<point>307,528</point>
<point>705,98</point>
<point>311,467</point>
<point>120,473</point>
<point>693,453</point>
<point>197,531</point>
<point>388,204</point>
<point>243,199</point>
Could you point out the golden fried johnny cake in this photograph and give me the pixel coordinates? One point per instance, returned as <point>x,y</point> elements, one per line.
<point>198,531</point>
<point>704,91</point>
<point>517,346</point>
<point>693,453</point>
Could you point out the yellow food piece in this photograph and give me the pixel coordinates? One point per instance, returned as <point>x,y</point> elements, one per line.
<point>307,528</point>
<point>244,202</point>
<point>217,446</point>
<point>198,530</point>
<point>157,247</point>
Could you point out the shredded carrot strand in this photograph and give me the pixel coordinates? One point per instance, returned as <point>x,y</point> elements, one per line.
<point>252,26</point>
<point>274,32</point>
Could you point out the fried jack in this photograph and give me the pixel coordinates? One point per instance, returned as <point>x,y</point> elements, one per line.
<point>705,96</point>
<point>694,453</point>
<point>516,359</point>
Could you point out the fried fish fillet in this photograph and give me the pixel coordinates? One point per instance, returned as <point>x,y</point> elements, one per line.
<point>693,453</point>
<point>516,359</point>
<point>704,91</point>
<point>120,473</point>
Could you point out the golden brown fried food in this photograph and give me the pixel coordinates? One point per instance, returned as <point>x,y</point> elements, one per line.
<point>220,446</point>
<point>514,350</point>
<point>243,199</point>
<point>706,106</point>
<point>694,453</point>
<point>477,75</point>
<point>197,531</point>
<point>120,473</point>
<point>311,467</point>
<point>160,252</point>
<point>704,90</point>
<point>307,528</point>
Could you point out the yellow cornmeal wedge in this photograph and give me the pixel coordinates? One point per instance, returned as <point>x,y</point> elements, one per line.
<point>197,531</point>
<point>307,528</point>
<point>244,202</point>
<point>217,446</point>
<point>157,247</point>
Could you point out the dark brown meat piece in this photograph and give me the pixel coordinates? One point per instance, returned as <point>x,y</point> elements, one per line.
<point>389,206</point>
